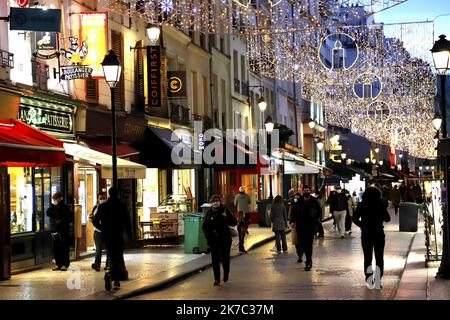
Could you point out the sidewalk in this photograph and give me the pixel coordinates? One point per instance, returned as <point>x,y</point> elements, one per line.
<point>147,268</point>
<point>418,281</point>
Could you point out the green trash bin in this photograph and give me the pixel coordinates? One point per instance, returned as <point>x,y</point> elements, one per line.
<point>408,216</point>
<point>194,238</point>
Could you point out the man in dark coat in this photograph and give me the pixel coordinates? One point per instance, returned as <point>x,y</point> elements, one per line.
<point>216,226</point>
<point>60,219</point>
<point>113,220</point>
<point>305,213</point>
<point>369,216</point>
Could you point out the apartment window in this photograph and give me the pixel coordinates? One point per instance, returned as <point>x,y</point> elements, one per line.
<point>243,68</point>
<point>205,96</point>
<point>117,46</point>
<point>237,120</point>
<point>222,45</point>
<point>246,130</point>
<point>215,93</point>
<point>195,92</point>
<point>223,88</point>
<point>235,64</point>
<point>202,40</point>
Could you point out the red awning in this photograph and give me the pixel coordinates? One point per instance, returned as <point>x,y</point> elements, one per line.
<point>23,146</point>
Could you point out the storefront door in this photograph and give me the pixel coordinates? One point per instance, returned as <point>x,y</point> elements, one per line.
<point>87,197</point>
<point>5,238</point>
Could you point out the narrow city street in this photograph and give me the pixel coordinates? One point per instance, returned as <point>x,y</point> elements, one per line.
<point>337,272</point>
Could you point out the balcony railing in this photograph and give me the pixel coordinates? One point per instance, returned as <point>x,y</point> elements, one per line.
<point>179,114</point>
<point>244,91</point>
<point>6,59</point>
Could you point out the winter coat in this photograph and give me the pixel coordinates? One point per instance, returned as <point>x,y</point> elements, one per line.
<point>306,214</point>
<point>370,217</point>
<point>113,220</point>
<point>216,227</point>
<point>278,216</point>
<point>60,218</point>
<point>395,196</point>
<point>337,202</point>
<point>242,202</point>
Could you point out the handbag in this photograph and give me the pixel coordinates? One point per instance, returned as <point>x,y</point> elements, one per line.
<point>233,231</point>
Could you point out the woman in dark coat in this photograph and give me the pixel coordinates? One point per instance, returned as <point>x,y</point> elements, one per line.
<point>216,225</point>
<point>369,216</point>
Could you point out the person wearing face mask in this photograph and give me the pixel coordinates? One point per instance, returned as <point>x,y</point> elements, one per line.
<point>98,237</point>
<point>339,207</point>
<point>305,213</point>
<point>216,227</point>
<point>60,219</point>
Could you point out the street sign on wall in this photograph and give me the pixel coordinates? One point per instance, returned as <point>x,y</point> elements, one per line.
<point>35,19</point>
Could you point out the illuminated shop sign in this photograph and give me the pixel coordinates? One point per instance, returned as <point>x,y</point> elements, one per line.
<point>154,77</point>
<point>35,19</point>
<point>48,120</point>
<point>94,31</point>
<point>177,84</point>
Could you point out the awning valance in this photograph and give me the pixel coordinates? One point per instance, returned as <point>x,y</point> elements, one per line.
<point>23,146</point>
<point>296,164</point>
<point>125,169</point>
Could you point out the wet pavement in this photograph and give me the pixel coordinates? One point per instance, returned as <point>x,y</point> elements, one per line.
<point>337,272</point>
<point>81,281</point>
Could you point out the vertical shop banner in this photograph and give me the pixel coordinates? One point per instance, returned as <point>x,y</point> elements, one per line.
<point>94,30</point>
<point>154,77</point>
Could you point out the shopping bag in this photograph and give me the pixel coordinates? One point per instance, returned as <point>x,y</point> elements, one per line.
<point>294,234</point>
<point>233,231</point>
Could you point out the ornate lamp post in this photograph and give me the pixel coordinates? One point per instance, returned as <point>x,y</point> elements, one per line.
<point>269,128</point>
<point>441,59</point>
<point>112,69</point>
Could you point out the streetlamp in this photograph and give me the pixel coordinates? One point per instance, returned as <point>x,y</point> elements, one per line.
<point>367,160</point>
<point>320,145</point>
<point>441,60</point>
<point>377,150</point>
<point>343,156</point>
<point>111,70</point>
<point>312,124</point>
<point>153,32</point>
<point>262,104</point>
<point>269,128</point>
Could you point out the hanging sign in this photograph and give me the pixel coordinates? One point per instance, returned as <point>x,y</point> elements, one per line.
<point>75,72</point>
<point>45,56</point>
<point>35,19</point>
<point>22,3</point>
<point>94,31</point>
<point>45,40</point>
<point>177,84</point>
<point>154,77</point>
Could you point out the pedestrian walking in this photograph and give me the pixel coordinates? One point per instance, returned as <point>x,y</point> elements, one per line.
<point>113,220</point>
<point>305,212</point>
<point>385,191</point>
<point>216,226</point>
<point>320,232</point>
<point>369,216</point>
<point>278,217</point>
<point>339,207</point>
<point>242,203</point>
<point>348,216</point>
<point>60,219</point>
<point>395,197</point>
<point>98,237</point>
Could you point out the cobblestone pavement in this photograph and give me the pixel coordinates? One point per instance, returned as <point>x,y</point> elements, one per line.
<point>44,284</point>
<point>337,272</point>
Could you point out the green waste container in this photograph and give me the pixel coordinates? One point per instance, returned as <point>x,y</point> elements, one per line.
<point>408,216</point>
<point>194,238</point>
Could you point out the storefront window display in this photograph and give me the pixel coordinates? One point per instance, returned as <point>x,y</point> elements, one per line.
<point>183,182</point>
<point>433,219</point>
<point>21,199</point>
<point>250,182</point>
<point>28,215</point>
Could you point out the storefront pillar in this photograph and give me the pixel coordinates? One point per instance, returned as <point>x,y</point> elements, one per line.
<point>5,226</point>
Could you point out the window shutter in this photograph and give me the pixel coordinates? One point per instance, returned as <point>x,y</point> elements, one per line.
<point>92,90</point>
<point>117,46</point>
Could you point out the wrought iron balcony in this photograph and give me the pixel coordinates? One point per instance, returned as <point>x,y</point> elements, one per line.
<point>6,59</point>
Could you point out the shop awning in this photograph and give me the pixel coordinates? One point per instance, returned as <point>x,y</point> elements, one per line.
<point>125,169</point>
<point>296,164</point>
<point>23,146</point>
<point>104,146</point>
<point>163,149</point>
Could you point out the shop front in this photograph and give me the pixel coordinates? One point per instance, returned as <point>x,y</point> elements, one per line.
<point>31,165</point>
<point>169,190</point>
<point>92,175</point>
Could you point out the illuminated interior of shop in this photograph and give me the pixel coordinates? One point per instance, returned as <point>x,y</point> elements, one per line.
<point>21,200</point>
